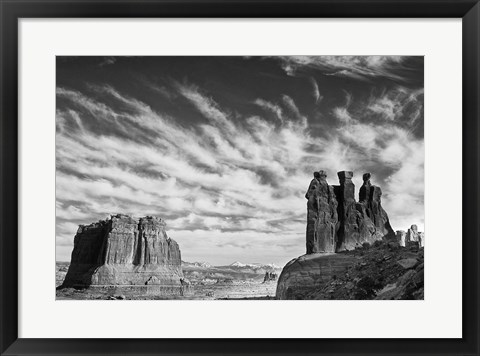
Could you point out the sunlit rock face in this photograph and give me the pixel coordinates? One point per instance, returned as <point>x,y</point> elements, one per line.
<point>122,251</point>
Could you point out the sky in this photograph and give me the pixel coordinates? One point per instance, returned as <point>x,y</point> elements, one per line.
<point>224,148</point>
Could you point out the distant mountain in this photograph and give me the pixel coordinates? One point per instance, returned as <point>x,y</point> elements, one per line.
<point>235,265</point>
<point>238,264</point>
<point>197,264</point>
<point>254,265</point>
<point>273,266</point>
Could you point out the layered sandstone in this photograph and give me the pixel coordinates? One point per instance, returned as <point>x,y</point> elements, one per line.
<point>306,273</point>
<point>122,251</point>
<point>382,271</point>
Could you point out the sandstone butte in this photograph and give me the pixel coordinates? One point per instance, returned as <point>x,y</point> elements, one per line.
<point>122,252</point>
<point>336,222</point>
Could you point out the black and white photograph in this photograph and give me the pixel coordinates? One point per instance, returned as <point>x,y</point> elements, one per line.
<point>239,178</point>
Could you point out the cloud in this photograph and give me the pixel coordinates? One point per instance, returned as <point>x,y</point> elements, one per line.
<point>231,174</point>
<point>364,68</point>
<point>398,104</point>
<point>106,61</point>
<point>316,91</point>
<point>342,114</point>
<point>230,177</point>
<point>273,108</point>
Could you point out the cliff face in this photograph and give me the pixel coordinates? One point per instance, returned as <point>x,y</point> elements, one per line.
<point>337,222</point>
<point>122,251</point>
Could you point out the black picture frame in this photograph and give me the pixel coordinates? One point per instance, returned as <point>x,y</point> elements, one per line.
<point>13,10</point>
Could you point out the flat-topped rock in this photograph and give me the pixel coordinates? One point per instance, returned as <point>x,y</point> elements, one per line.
<point>122,251</point>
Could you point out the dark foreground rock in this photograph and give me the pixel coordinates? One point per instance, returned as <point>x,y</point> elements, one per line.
<point>122,252</point>
<point>382,271</point>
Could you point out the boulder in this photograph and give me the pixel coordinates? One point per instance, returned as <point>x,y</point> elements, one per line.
<point>122,251</point>
<point>408,263</point>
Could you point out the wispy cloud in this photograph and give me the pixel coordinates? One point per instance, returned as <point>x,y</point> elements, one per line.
<point>271,107</point>
<point>357,67</point>
<point>316,91</point>
<point>398,104</point>
<point>106,61</point>
<point>229,177</point>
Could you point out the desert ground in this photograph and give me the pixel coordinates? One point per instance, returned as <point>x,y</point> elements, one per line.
<point>208,282</point>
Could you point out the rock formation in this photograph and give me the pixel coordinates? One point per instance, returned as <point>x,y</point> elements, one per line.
<point>269,276</point>
<point>401,235</point>
<point>382,271</point>
<point>411,236</point>
<point>421,239</point>
<point>122,251</point>
<point>336,222</point>
<point>322,216</point>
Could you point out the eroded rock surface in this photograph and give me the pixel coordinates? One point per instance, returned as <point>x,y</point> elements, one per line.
<point>122,251</point>
<point>306,273</point>
<point>322,218</point>
<point>337,222</point>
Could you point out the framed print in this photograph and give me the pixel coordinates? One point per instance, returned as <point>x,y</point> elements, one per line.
<point>239,178</point>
